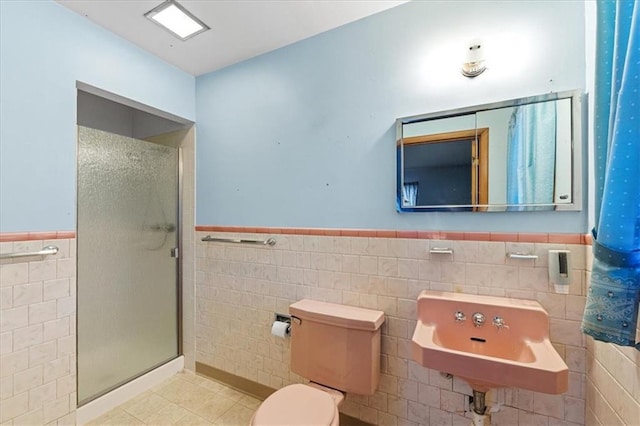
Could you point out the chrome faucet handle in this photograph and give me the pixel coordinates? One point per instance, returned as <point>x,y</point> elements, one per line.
<point>478,319</point>
<point>499,323</point>
<point>459,316</point>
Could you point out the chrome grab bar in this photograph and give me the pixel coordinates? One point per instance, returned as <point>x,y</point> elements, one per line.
<point>267,242</point>
<point>441,250</point>
<point>44,252</point>
<point>521,255</point>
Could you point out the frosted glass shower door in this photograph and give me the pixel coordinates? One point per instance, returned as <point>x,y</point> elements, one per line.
<point>127,278</point>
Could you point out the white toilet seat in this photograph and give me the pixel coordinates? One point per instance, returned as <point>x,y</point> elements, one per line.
<point>297,405</point>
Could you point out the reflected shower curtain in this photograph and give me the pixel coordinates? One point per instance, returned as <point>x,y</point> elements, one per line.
<point>531,154</point>
<point>410,194</point>
<point>611,312</point>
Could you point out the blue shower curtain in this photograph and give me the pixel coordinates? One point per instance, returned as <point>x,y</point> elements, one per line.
<point>410,194</point>
<point>611,312</point>
<point>531,154</point>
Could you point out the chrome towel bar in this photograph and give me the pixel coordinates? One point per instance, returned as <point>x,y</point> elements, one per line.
<point>267,242</point>
<point>441,250</point>
<point>521,255</point>
<point>44,252</point>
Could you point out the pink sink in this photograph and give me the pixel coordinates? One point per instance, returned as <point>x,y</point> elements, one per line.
<point>516,354</point>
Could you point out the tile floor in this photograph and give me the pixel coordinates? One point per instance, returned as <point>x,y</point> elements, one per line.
<point>184,399</point>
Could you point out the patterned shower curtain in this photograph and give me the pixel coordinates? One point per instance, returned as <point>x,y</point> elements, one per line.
<point>611,312</point>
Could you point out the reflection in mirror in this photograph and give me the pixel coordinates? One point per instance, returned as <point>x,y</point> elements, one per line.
<point>518,155</point>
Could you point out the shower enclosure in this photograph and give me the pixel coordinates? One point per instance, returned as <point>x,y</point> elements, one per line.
<point>127,254</point>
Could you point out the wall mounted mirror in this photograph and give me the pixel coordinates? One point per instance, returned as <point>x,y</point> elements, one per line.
<point>517,155</point>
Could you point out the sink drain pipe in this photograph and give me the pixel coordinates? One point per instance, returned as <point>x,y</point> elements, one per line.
<point>479,406</point>
<point>481,415</point>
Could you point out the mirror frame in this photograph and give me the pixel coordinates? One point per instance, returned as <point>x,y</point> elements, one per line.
<point>578,120</point>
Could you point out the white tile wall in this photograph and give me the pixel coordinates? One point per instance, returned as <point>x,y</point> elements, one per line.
<point>37,335</point>
<point>240,287</point>
<point>188,249</point>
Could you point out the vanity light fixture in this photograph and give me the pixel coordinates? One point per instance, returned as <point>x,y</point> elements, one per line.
<point>474,65</point>
<point>173,17</point>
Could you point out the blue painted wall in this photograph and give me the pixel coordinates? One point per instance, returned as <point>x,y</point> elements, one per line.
<point>45,49</point>
<point>304,136</point>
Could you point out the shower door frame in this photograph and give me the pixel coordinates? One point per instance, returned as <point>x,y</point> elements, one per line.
<point>80,86</point>
<point>179,256</point>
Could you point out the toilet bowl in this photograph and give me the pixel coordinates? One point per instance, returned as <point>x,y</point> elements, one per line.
<point>337,348</point>
<point>298,404</point>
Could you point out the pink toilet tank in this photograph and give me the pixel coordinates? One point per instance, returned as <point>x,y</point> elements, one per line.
<point>336,345</point>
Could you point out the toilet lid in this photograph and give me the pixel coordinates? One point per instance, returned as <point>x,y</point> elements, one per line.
<point>296,405</point>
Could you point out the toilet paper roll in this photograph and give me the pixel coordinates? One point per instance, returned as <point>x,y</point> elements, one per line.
<point>280,328</point>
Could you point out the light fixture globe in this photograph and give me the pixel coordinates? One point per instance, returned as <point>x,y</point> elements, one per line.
<point>475,63</point>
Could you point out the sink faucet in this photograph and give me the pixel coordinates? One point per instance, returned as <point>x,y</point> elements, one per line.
<point>459,316</point>
<point>478,319</point>
<point>499,323</point>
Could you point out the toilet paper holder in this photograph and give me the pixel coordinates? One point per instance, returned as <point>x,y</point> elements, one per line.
<point>286,318</point>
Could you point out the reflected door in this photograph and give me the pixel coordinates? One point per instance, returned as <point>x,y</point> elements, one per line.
<point>451,167</point>
<point>127,277</point>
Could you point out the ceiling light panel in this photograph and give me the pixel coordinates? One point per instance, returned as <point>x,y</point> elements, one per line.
<point>177,20</point>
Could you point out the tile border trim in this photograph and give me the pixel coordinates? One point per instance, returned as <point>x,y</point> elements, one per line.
<point>514,237</point>
<point>6,237</point>
<point>519,237</point>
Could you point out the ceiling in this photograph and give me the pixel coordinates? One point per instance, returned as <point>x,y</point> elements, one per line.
<point>240,29</point>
